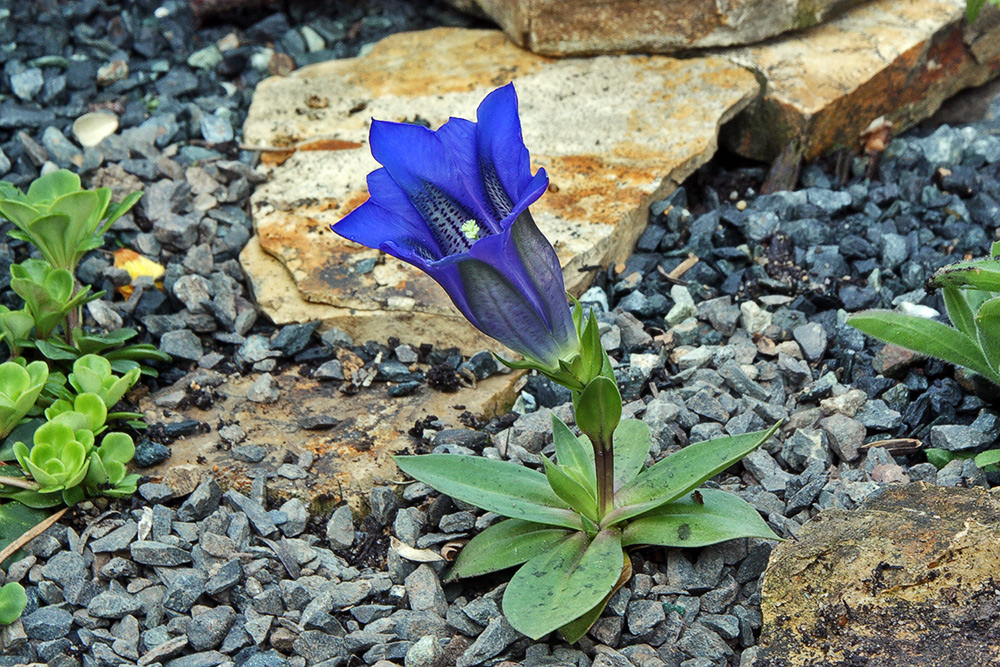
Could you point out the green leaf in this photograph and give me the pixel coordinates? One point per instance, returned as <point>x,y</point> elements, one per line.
<point>598,410</point>
<point>579,497</point>
<point>563,583</point>
<point>49,187</point>
<point>988,331</point>
<point>683,472</point>
<point>12,602</point>
<point>924,336</point>
<point>719,516</point>
<point>632,443</point>
<point>942,457</point>
<point>574,631</point>
<point>19,213</point>
<point>23,433</point>
<point>504,544</point>
<point>990,457</point>
<point>959,312</point>
<point>571,452</point>
<point>980,274</point>
<point>972,9</point>
<point>118,211</point>
<point>15,520</point>
<point>995,249</point>
<point>498,486</point>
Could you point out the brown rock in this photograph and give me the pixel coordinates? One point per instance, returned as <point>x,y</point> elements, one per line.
<point>613,133</point>
<point>348,457</point>
<point>895,58</point>
<point>570,27</point>
<point>893,361</point>
<point>908,579</point>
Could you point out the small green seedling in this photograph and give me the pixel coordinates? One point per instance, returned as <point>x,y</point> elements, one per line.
<point>49,294</point>
<point>12,602</point>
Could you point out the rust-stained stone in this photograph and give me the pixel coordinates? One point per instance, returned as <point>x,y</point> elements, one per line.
<point>910,579</point>
<point>613,133</point>
<point>895,58</point>
<point>580,27</point>
<point>349,457</point>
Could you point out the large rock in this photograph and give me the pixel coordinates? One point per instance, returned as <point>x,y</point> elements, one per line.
<point>907,579</point>
<point>571,27</point>
<point>895,58</point>
<point>350,438</point>
<point>614,133</point>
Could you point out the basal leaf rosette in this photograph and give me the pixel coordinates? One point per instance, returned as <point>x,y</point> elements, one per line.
<point>60,218</point>
<point>87,411</point>
<point>93,374</point>
<point>19,389</point>
<point>49,293</point>
<point>59,457</point>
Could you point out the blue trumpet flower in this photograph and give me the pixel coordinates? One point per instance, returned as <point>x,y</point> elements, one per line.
<point>454,203</point>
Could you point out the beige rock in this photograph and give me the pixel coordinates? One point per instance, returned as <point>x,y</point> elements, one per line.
<point>571,27</point>
<point>613,133</point>
<point>908,579</point>
<point>350,450</point>
<point>895,58</point>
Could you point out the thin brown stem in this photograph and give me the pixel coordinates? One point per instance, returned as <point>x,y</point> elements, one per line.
<point>31,534</point>
<point>19,482</point>
<point>604,464</point>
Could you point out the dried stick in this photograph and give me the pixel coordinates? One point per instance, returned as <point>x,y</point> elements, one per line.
<point>31,534</point>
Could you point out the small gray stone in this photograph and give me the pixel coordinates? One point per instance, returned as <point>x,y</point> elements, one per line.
<point>27,84</point>
<point>151,552</point>
<point>184,590</point>
<point>877,416</point>
<point>203,501</point>
<point>383,502</point>
<point>643,615</point>
<point>805,446</point>
<point>216,130</point>
<point>47,623</point>
<point>297,516</point>
<point>66,568</point>
<point>340,529</point>
<point>117,539</point>
<point>497,636</point>
<point>424,591</point>
<point>956,438</point>
<point>113,605</point>
<point>845,435</point>
<point>182,343</point>
<point>264,390</point>
<point>249,453</point>
<point>225,578</point>
<point>258,517</point>
<point>425,652</point>
<point>811,337</point>
<point>701,642</point>
<point>317,646</point>
<point>207,630</point>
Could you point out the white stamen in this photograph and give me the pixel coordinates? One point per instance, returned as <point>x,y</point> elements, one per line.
<point>471,230</point>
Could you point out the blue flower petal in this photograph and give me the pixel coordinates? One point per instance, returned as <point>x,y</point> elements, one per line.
<point>376,227</point>
<point>504,163</point>
<point>459,138</point>
<point>419,163</point>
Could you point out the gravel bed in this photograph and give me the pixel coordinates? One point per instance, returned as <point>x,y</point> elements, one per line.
<point>751,334</point>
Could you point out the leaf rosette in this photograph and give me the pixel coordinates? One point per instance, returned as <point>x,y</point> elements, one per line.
<point>19,389</point>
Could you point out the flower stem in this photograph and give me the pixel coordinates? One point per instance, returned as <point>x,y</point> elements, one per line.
<point>604,463</point>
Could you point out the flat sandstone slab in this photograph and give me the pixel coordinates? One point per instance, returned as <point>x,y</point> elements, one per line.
<point>613,133</point>
<point>572,27</point>
<point>907,579</point>
<point>350,438</point>
<point>895,58</point>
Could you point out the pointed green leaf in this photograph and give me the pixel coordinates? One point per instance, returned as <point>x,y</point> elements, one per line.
<point>551,589</point>
<point>118,211</point>
<point>959,312</point>
<point>990,457</point>
<point>569,489</point>
<point>980,274</point>
<point>598,410</point>
<point>15,520</point>
<point>574,631</point>
<point>924,336</point>
<point>719,516</point>
<point>988,331</point>
<point>632,443</point>
<point>683,472</point>
<point>498,486</point>
<point>571,452</point>
<point>942,457</point>
<point>504,544</point>
<point>972,9</point>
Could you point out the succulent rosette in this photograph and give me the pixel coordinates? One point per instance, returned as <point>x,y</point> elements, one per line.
<point>454,203</point>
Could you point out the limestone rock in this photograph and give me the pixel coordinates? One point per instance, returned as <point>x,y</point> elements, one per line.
<point>344,441</point>
<point>895,58</point>
<point>907,579</point>
<point>613,133</point>
<point>571,27</point>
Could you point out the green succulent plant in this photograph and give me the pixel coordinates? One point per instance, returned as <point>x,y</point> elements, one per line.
<point>93,374</point>
<point>87,411</point>
<point>15,327</point>
<point>107,475</point>
<point>49,294</point>
<point>19,389</point>
<point>12,602</point>
<point>60,456</point>
<point>111,346</point>
<point>60,218</point>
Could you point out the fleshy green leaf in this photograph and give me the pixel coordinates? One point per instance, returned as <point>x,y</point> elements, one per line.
<point>942,457</point>
<point>563,583</point>
<point>980,274</point>
<point>504,544</point>
<point>574,631</point>
<point>683,472</point>
<point>990,457</point>
<point>924,336</point>
<point>987,327</point>
<point>571,490</point>
<point>498,486</point>
<point>48,187</point>
<point>959,312</point>
<point>23,433</point>
<point>12,602</point>
<point>15,520</point>
<point>704,517</point>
